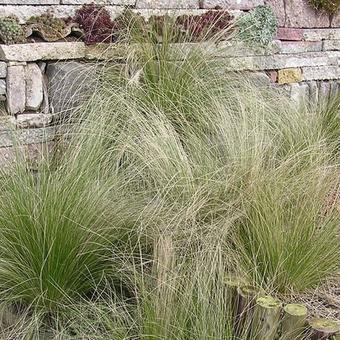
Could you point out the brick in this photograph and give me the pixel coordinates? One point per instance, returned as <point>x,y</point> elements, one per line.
<point>321,73</point>
<point>272,74</point>
<point>3,69</point>
<point>42,51</point>
<point>233,4</point>
<point>290,34</point>
<point>331,45</point>
<point>299,13</point>
<point>321,34</point>
<point>167,4</point>
<point>290,75</point>
<point>278,7</point>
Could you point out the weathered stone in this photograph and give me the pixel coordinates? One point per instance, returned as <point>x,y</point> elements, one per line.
<point>278,7</point>
<point>321,73</point>
<point>23,13</point>
<point>293,47</point>
<point>34,87</point>
<point>29,2</point>
<point>2,87</point>
<point>3,70</point>
<point>103,2</point>
<point>313,92</point>
<point>107,51</point>
<point>290,34</point>
<point>164,4</point>
<point>27,136</point>
<point>42,51</point>
<point>33,120</point>
<point>258,78</point>
<point>331,45</point>
<point>281,61</point>
<point>336,20</point>
<point>16,89</point>
<point>334,89</point>
<point>299,13</point>
<point>233,4</point>
<point>321,34</point>
<point>299,93</point>
<point>234,49</point>
<point>69,84</point>
<point>289,75</point>
<point>324,92</point>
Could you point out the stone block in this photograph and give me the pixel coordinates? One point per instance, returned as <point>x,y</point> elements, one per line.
<point>321,73</point>
<point>289,75</point>
<point>167,4</point>
<point>331,45</point>
<point>281,61</point>
<point>24,12</point>
<point>290,34</point>
<point>42,51</point>
<point>313,92</point>
<point>34,87</point>
<point>232,4</point>
<point>69,85</point>
<point>2,87</point>
<point>107,51</point>
<point>278,7</point>
<point>299,13</point>
<point>33,120</point>
<point>299,93</point>
<point>101,2</point>
<point>3,70</point>
<point>16,89</point>
<point>336,20</point>
<point>321,34</point>
<point>324,92</point>
<point>293,47</point>
<point>30,2</point>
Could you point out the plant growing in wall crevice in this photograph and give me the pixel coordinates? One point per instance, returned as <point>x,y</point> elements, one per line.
<point>258,27</point>
<point>330,6</point>
<point>11,32</point>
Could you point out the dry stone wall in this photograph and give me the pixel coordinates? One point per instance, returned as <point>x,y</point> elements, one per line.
<point>38,81</point>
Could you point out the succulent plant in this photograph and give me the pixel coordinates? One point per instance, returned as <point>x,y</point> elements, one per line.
<point>258,27</point>
<point>11,32</point>
<point>205,26</point>
<point>331,6</point>
<point>97,24</point>
<point>48,26</point>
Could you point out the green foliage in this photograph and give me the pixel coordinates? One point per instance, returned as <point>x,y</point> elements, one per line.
<point>331,6</point>
<point>258,27</point>
<point>11,31</point>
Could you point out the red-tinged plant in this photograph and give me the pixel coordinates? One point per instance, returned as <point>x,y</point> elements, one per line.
<point>97,24</point>
<point>205,26</point>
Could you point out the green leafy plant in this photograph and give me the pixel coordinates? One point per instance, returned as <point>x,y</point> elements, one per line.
<point>11,32</point>
<point>331,6</point>
<point>259,26</point>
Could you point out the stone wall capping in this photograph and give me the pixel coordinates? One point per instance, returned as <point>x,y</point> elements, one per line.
<point>42,51</point>
<point>105,51</point>
<point>167,4</point>
<point>33,120</point>
<point>104,2</point>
